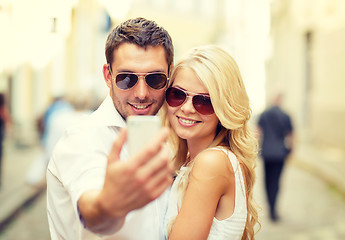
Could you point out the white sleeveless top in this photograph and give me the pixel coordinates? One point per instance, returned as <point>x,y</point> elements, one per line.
<point>229,228</point>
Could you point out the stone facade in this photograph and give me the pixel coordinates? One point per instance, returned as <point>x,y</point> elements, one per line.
<point>308,62</point>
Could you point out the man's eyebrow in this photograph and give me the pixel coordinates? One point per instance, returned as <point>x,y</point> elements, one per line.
<point>129,70</point>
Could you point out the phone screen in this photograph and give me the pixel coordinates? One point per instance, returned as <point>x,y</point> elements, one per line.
<point>141,129</point>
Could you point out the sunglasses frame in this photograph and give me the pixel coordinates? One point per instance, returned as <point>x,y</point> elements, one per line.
<point>138,76</point>
<point>189,95</point>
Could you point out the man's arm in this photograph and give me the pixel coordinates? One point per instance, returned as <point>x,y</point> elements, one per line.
<point>128,185</point>
<point>94,217</point>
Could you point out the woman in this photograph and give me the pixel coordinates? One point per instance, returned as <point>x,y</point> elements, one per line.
<point>208,109</point>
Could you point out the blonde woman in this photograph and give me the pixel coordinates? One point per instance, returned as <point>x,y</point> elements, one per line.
<point>208,110</point>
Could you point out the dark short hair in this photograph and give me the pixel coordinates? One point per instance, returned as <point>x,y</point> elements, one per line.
<point>141,32</point>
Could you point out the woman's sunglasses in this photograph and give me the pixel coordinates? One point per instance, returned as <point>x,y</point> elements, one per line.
<point>127,80</point>
<point>176,97</point>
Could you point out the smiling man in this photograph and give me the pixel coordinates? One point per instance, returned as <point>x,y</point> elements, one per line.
<point>94,187</point>
<point>133,63</point>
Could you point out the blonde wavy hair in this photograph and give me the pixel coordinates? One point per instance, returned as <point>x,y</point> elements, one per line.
<point>221,76</point>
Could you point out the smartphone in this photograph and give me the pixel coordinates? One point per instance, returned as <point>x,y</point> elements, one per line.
<point>141,130</point>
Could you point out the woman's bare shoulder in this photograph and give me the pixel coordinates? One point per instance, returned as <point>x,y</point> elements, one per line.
<point>212,162</point>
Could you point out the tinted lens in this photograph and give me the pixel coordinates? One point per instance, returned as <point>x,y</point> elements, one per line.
<point>203,104</point>
<point>156,80</point>
<point>175,97</point>
<point>126,80</point>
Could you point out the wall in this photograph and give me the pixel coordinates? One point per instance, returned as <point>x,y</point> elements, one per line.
<point>307,61</point>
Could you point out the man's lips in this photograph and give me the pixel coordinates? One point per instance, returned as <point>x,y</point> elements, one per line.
<point>141,109</point>
<point>140,106</point>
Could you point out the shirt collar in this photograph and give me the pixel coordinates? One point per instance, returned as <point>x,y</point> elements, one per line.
<point>107,115</point>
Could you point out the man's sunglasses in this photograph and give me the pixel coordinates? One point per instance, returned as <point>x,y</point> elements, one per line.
<point>201,102</point>
<point>127,80</point>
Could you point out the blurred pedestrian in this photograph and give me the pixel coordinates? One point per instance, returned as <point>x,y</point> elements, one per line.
<point>58,105</point>
<point>4,120</point>
<point>276,131</point>
<point>62,113</point>
<point>81,105</point>
<point>36,173</point>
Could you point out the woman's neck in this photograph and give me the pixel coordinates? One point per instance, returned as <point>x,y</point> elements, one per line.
<point>196,146</point>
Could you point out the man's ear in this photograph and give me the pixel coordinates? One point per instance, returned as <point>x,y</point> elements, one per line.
<point>107,75</point>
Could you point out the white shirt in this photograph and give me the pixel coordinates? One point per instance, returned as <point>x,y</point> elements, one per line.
<point>77,165</point>
<point>229,228</point>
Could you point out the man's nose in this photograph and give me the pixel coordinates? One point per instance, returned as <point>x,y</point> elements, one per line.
<point>141,89</point>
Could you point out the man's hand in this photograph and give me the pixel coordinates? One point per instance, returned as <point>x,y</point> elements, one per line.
<point>128,185</point>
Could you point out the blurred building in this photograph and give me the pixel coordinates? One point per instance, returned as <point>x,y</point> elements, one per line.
<point>48,49</point>
<point>56,47</point>
<point>307,61</point>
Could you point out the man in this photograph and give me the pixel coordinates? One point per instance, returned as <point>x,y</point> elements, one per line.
<point>90,191</point>
<point>277,132</point>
